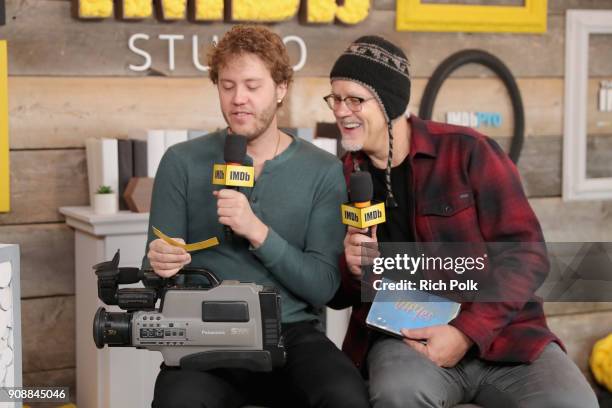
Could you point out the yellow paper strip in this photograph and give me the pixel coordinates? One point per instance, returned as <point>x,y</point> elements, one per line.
<point>196,246</point>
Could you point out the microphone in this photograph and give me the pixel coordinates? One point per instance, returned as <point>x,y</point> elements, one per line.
<point>235,149</point>
<point>233,173</point>
<point>360,212</point>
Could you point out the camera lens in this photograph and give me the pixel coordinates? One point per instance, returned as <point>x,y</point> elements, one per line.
<point>112,328</point>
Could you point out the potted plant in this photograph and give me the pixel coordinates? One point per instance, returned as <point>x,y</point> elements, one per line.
<point>105,201</point>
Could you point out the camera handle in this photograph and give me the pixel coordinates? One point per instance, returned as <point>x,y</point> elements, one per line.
<point>179,278</point>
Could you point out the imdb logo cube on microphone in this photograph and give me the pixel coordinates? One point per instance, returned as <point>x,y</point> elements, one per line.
<point>233,175</point>
<point>363,217</point>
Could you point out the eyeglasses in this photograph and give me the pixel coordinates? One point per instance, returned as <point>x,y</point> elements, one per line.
<point>352,102</point>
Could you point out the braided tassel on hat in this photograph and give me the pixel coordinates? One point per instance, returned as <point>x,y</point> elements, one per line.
<point>390,199</point>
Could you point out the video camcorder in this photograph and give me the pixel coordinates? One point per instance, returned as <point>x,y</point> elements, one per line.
<point>201,323</point>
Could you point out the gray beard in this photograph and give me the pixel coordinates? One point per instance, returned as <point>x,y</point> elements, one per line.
<point>351,147</point>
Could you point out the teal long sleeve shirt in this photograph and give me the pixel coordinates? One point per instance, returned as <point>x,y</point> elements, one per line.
<point>297,195</point>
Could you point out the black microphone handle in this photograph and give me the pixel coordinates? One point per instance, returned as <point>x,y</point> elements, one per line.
<point>229,234</point>
<point>227,230</point>
<point>234,152</point>
<point>361,190</point>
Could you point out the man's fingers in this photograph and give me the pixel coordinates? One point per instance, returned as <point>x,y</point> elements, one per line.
<point>353,230</point>
<point>353,260</point>
<point>355,271</point>
<point>373,228</point>
<point>170,258</point>
<point>369,252</point>
<point>418,346</point>
<point>356,237</point>
<point>422,333</point>
<point>360,250</point>
<point>353,250</point>
<point>162,246</point>
<point>359,239</point>
<point>367,232</point>
<point>226,221</point>
<point>166,266</point>
<point>227,212</point>
<point>363,251</point>
<point>359,261</point>
<point>227,203</point>
<point>227,193</point>
<point>165,259</point>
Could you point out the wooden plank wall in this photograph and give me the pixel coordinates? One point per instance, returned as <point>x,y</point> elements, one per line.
<point>69,80</point>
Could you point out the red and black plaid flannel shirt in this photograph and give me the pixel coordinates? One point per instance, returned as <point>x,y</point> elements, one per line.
<point>448,162</point>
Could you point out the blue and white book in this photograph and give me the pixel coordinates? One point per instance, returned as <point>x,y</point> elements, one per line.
<point>395,310</point>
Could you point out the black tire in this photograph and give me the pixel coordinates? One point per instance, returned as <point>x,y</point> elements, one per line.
<point>461,58</point>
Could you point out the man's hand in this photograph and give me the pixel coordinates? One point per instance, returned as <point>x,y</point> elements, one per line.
<point>446,345</point>
<point>234,210</point>
<point>356,255</point>
<point>165,259</point>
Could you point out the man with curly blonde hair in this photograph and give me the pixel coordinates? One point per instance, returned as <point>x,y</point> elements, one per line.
<point>287,233</point>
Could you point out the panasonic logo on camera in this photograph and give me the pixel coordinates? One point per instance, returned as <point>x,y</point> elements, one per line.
<point>212,332</point>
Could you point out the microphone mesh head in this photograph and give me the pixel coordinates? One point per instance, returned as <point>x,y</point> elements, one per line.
<point>235,148</point>
<point>360,187</point>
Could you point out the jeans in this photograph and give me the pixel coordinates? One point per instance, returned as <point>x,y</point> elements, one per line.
<point>402,377</point>
<point>316,374</point>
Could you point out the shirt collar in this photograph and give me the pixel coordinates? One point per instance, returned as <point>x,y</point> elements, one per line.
<point>420,141</point>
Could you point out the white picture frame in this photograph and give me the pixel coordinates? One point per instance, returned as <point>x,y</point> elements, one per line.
<point>580,24</point>
<point>10,321</point>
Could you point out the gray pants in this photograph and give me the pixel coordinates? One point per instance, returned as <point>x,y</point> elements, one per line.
<point>401,377</point>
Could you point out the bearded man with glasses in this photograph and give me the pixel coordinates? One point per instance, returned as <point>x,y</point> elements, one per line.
<point>444,183</point>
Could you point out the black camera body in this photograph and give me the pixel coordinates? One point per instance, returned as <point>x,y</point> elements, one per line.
<point>201,323</point>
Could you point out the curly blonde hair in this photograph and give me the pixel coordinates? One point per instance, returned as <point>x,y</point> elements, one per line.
<point>252,39</point>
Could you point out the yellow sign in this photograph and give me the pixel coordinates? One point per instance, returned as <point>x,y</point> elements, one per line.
<point>363,217</point>
<point>414,15</point>
<point>196,246</point>
<point>4,142</point>
<point>268,11</point>
<point>233,175</point>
